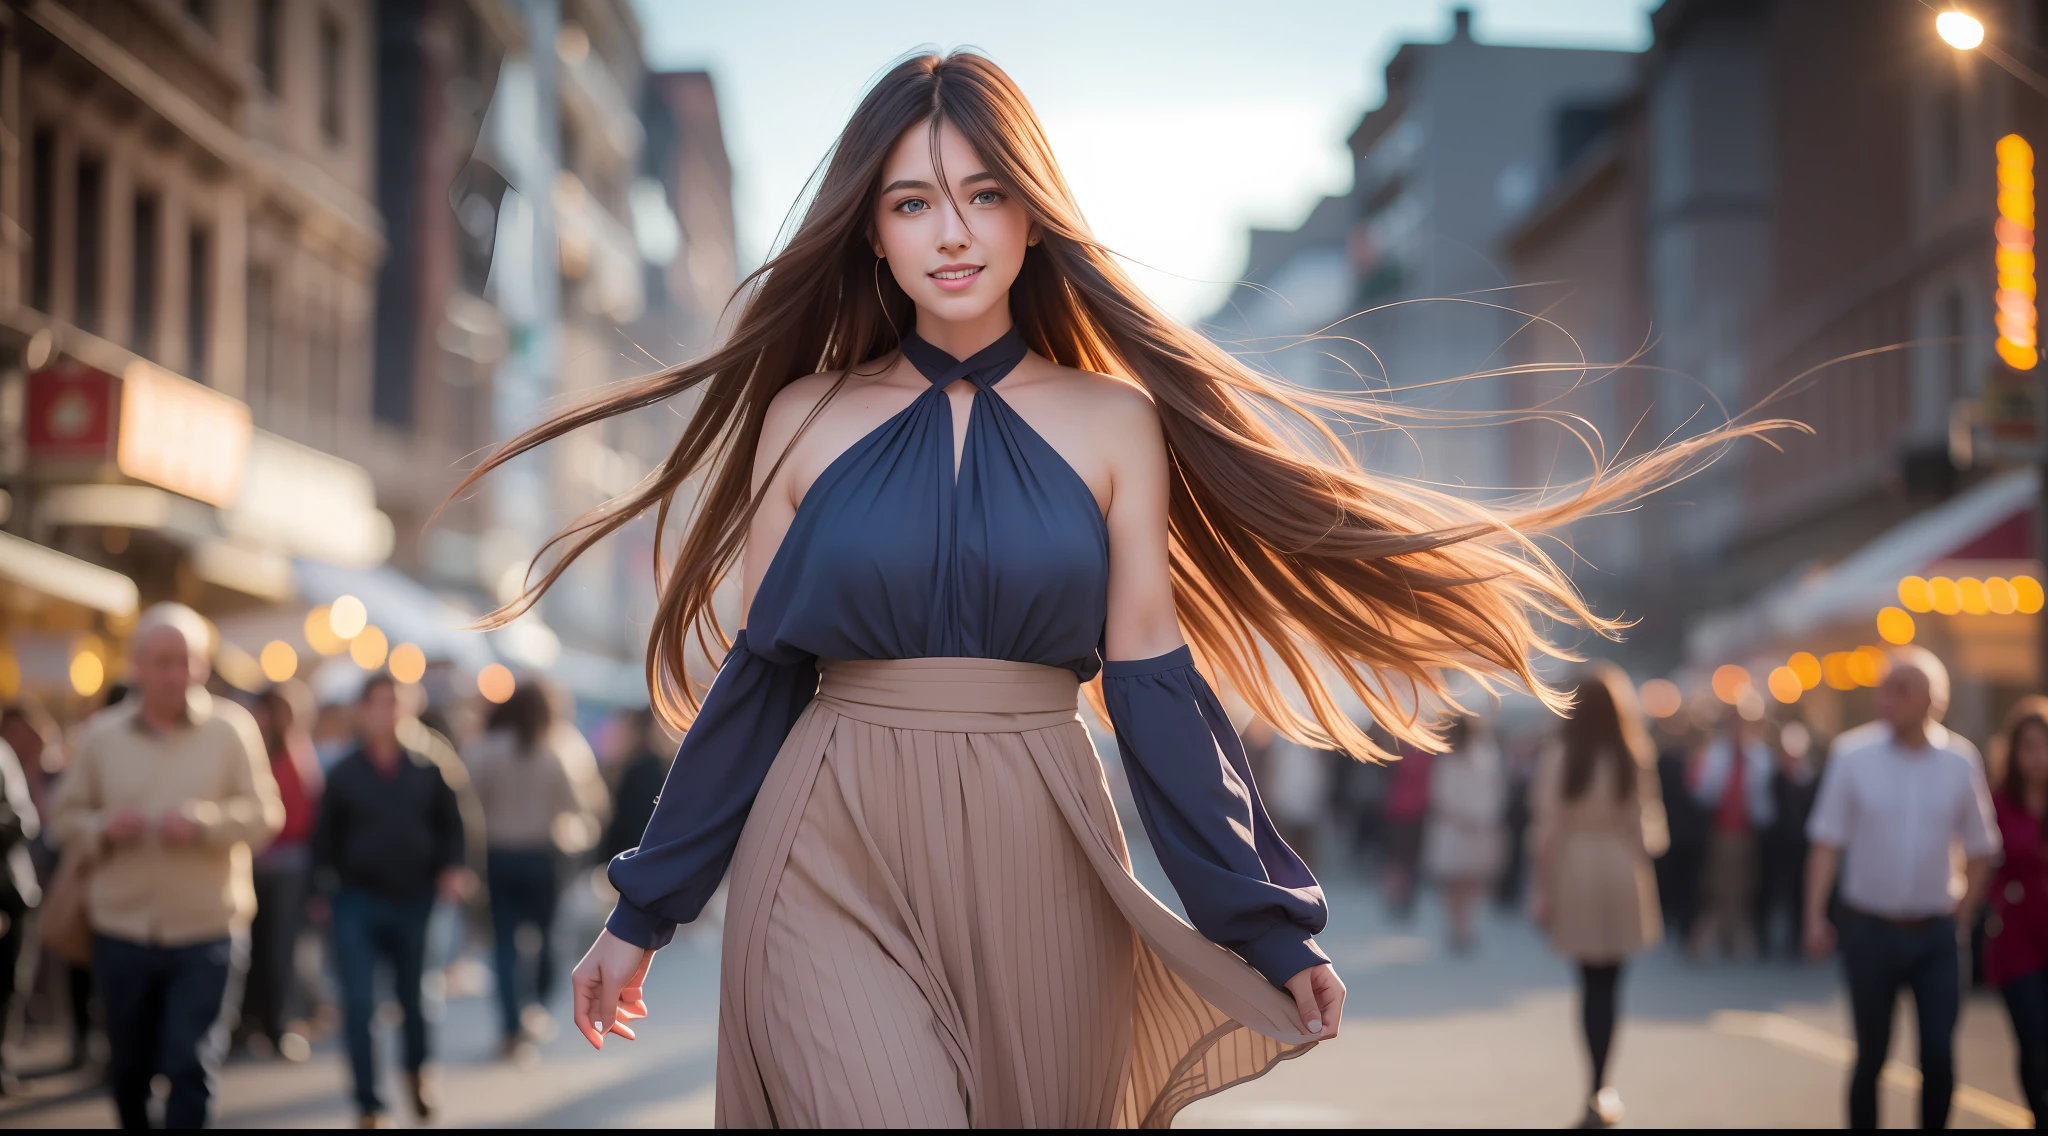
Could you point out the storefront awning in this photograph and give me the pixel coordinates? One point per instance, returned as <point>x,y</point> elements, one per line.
<point>68,578</point>
<point>1992,521</point>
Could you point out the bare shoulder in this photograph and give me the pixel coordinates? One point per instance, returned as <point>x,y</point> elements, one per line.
<point>1115,408</point>
<point>793,403</point>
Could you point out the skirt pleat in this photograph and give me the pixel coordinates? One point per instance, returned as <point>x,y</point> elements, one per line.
<point>932,922</point>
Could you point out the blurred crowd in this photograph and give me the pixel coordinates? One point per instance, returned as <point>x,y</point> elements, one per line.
<point>318,860</point>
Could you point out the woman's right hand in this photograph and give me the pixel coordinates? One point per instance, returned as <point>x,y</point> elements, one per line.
<point>606,988</point>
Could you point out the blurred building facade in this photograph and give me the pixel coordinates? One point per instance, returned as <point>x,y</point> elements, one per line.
<point>271,273</point>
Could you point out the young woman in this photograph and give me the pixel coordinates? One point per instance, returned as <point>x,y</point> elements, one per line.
<point>1467,806</point>
<point>543,803</point>
<point>2016,931</point>
<point>1599,822</point>
<point>963,466</point>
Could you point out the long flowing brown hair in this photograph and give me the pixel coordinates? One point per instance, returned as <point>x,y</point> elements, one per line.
<point>1285,551</point>
<point>1604,726</point>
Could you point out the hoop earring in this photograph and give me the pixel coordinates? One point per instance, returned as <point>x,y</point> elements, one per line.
<point>882,302</point>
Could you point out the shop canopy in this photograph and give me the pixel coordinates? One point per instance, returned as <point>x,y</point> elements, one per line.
<point>1992,521</point>
<point>52,573</point>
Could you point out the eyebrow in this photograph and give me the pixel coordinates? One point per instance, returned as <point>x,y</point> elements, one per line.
<point>912,183</point>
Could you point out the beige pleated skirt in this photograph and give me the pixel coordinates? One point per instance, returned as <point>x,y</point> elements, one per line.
<point>932,922</point>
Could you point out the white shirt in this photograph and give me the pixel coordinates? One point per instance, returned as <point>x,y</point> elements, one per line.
<point>1898,815</point>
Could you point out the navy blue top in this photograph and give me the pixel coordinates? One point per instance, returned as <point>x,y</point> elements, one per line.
<point>891,556</point>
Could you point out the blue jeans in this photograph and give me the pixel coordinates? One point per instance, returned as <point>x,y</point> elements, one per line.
<point>369,929</point>
<point>1879,959</point>
<point>526,885</point>
<point>168,1011</point>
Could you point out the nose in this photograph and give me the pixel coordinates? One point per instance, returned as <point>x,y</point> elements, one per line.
<point>953,232</point>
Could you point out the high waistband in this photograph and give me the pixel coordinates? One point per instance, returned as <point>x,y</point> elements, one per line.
<point>950,695</point>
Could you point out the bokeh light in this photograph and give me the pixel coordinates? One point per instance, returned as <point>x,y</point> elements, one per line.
<point>1661,698</point>
<point>1944,595</point>
<point>1970,596</point>
<point>368,648</point>
<point>2000,597</point>
<point>1807,667</point>
<point>278,660</point>
<point>1835,670</point>
<point>1959,30</point>
<point>320,632</point>
<point>1894,626</point>
<point>1784,685</point>
<point>1730,681</point>
<point>407,663</point>
<point>347,617</point>
<point>1868,665</point>
<point>88,673</point>
<point>495,683</point>
<point>1915,595</point>
<point>2027,591</point>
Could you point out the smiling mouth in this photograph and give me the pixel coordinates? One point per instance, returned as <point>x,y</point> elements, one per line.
<point>956,274</point>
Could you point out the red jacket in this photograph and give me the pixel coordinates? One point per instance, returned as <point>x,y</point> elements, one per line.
<point>2016,932</point>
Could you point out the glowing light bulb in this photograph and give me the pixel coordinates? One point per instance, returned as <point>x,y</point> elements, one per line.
<point>1959,30</point>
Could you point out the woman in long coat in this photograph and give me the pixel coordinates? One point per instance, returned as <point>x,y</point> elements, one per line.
<point>1599,823</point>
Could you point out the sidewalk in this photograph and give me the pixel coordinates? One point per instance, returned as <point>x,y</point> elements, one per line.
<point>1430,1041</point>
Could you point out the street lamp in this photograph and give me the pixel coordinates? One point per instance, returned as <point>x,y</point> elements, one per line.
<point>1960,30</point>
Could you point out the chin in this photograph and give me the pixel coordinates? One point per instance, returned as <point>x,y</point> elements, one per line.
<point>963,307</point>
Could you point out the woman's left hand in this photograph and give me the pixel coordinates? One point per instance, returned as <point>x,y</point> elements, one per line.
<point>1319,995</point>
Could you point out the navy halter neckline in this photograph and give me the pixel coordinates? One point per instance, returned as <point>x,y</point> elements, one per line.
<point>985,368</point>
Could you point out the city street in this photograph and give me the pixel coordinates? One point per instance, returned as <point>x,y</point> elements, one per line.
<point>1430,1041</point>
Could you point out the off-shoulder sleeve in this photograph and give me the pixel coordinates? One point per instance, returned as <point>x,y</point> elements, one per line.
<point>748,712</point>
<point>1242,886</point>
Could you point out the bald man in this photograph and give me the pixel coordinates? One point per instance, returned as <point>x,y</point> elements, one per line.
<point>169,793</point>
<point>1899,796</point>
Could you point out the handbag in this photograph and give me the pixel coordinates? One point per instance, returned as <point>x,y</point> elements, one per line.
<point>62,925</point>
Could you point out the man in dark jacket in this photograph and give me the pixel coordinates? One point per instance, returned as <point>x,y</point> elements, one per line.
<point>19,892</point>
<point>388,842</point>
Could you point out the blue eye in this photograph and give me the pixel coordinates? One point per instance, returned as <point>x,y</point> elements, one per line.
<point>912,205</point>
<point>987,197</point>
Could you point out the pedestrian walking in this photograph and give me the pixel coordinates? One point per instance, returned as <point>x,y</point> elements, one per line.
<point>168,793</point>
<point>1599,823</point>
<point>19,893</point>
<point>283,872</point>
<point>543,803</point>
<point>1683,864</point>
<point>2016,931</point>
<point>39,743</point>
<point>1731,781</point>
<point>389,841</point>
<point>1900,796</point>
<point>1467,802</point>
<point>1404,813</point>
<point>1781,886</point>
<point>891,761</point>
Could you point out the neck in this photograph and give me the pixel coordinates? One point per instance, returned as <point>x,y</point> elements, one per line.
<point>162,715</point>
<point>383,751</point>
<point>962,338</point>
<point>1911,737</point>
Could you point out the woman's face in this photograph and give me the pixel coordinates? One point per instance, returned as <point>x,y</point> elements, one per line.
<point>2030,754</point>
<point>956,254</point>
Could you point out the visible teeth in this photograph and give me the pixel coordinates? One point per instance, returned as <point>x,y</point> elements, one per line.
<point>957,274</point>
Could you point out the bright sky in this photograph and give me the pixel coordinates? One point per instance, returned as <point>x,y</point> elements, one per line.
<point>1179,123</point>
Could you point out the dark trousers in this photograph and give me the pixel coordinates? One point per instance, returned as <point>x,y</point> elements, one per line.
<point>168,1010</point>
<point>2027,1000</point>
<point>1879,959</point>
<point>281,879</point>
<point>369,929</point>
<point>526,886</point>
<point>15,919</point>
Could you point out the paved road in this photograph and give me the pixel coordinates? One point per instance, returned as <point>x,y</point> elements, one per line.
<point>1432,1041</point>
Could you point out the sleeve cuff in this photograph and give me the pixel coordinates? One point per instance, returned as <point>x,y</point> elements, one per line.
<point>1282,953</point>
<point>632,925</point>
<point>1179,657</point>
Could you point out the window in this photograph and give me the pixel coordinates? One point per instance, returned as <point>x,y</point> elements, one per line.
<point>142,294</point>
<point>330,80</point>
<point>269,14</point>
<point>1955,349</point>
<point>86,246</point>
<point>198,305</point>
<point>42,218</point>
<point>260,363</point>
<point>1945,135</point>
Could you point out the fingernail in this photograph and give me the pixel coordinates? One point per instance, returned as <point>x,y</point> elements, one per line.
<point>1315,1027</point>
